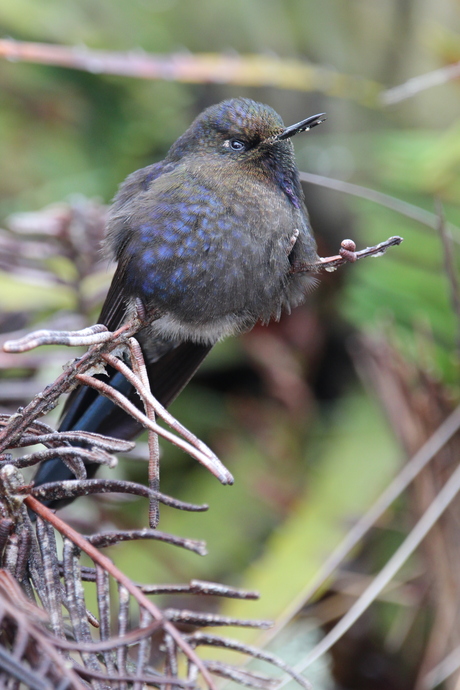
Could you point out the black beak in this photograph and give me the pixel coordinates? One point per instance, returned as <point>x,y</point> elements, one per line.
<point>303,126</point>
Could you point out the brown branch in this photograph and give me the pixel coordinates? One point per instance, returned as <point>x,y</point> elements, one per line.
<point>197,618</point>
<point>71,488</point>
<point>45,402</point>
<point>67,453</point>
<point>105,539</point>
<point>208,639</point>
<point>143,388</point>
<point>140,370</point>
<point>241,70</point>
<point>348,254</point>
<point>212,463</point>
<point>242,676</point>
<point>102,343</point>
<point>93,335</point>
<point>217,589</point>
<point>56,438</point>
<point>105,563</point>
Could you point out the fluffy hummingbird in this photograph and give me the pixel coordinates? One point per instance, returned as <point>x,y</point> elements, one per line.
<point>206,240</point>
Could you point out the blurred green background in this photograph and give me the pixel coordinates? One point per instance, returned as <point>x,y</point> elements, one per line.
<point>310,447</point>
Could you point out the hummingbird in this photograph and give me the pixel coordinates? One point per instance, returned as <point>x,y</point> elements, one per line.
<point>207,240</point>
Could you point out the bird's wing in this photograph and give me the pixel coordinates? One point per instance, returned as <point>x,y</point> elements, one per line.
<point>113,311</point>
<point>170,364</point>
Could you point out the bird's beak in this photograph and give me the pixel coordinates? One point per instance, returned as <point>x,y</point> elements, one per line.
<point>303,126</point>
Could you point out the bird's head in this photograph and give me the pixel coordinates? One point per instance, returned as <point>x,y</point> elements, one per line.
<point>244,131</point>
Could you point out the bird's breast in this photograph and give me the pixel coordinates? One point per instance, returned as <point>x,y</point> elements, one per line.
<point>214,258</point>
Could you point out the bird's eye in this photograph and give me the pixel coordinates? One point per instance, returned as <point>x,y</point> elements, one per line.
<point>236,144</point>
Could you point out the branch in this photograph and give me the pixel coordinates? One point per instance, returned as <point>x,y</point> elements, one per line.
<point>420,215</point>
<point>94,335</point>
<point>105,563</point>
<point>347,254</point>
<point>45,402</point>
<point>71,488</point>
<point>102,343</point>
<point>208,460</point>
<point>217,68</point>
<point>417,84</point>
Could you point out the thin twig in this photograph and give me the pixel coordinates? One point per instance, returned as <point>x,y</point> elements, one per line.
<point>45,402</point>
<point>416,85</point>
<point>212,619</point>
<point>347,254</point>
<point>212,464</point>
<point>420,215</point>
<point>123,617</point>
<point>242,676</point>
<point>110,538</point>
<point>67,454</point>
<point>71,488</point>
<point>52,583</point>
<point>199,638</point>
<point>93,335</point>
<point>76,436</point>
<point>102,580</point>
<point>76,601</point>
<point>143,388</point>
<point>210,589</point>
<point>140,370</point>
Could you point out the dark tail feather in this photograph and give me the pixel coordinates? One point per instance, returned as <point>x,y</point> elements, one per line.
<point>88,411</point>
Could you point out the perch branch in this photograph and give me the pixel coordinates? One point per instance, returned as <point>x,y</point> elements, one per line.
<point>46,401</point>
<point>102,343</point>
<point>213,464</point>
<point>144,391</point>
<point>347,254</point>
